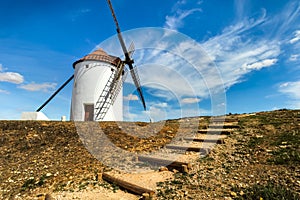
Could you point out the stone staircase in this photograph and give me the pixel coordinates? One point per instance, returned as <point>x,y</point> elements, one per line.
<point>194,140</point>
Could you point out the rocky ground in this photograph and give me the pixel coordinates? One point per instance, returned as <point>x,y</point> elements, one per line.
<point>259,160</point>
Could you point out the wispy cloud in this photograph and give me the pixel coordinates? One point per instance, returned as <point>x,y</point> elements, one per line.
<point>294,57</point>
<point>291,89</point>
<point>236,53</point>
<point>34,87</point>
<point>175,20</point>
<point>172,66</point>
<point>296,37</point>
<point>156,113</point>
<point>74,15</point>
<point>131,97</point>
<point>260,64</point>
<point>190,100</point>
<point>11,77</point>
<point>240,8</point>
<point>4,91</point>
<point>161,105</point>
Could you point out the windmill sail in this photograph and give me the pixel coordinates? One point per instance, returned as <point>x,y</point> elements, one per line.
<point>131,49</point>
<point>55,93</point>
<point>128,60</point>
<point>136,81</point>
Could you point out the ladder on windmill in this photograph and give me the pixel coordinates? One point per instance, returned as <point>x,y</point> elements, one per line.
<point>110,92</point>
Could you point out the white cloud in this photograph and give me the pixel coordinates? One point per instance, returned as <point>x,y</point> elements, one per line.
<point>4,91</point>
<point>131,97</point>
<point>173,67</point>
<point>291,89</point>
<point>260,64</point>
<point>236,55</point>
<point>296,37</point>
<point>240,8</point>
<point>44,87</point>
<point>11,77</point>
<point>190,100</point>
<point>294,57</point>
<point>161,105</point>
<point>176,21</point>
<point>156,113</point>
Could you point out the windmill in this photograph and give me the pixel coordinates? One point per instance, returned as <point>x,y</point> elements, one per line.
<point>98,80</point>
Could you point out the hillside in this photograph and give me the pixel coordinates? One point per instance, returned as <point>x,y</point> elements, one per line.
<point>260,158</point>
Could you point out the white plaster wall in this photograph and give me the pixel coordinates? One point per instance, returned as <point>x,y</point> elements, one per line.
<point>34,116</point>
<point>88,85</point>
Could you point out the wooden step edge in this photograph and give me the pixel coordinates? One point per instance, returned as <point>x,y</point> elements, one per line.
<point>224,126</point>
<point>222,120</point>
<point>136,189</point>
<point>217,141</point>
<point>215,132</point>
<point>189,148</point>
<point>170,164</point>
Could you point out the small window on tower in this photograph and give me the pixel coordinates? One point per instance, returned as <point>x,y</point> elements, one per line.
<point>86,66</point>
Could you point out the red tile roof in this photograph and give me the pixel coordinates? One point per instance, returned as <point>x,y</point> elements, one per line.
<point>99,55</point>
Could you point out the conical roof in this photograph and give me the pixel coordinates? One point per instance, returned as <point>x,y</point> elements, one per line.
<point>99,55</point>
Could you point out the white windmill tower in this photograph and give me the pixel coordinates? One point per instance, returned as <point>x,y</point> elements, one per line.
<point>98,78</point>
<point>94,80</point>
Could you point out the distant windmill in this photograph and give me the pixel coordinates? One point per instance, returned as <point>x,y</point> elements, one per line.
<point>98,79</point>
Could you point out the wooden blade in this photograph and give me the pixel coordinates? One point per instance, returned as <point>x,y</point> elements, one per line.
<point>54,94</point>
<point>120,37</point>
<point>137,84</point>
<point>128,59</point>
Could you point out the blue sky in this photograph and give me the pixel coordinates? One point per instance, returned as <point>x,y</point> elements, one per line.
<point>242,55</point>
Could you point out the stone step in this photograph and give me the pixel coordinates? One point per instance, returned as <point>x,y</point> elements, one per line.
<point>215,131</point>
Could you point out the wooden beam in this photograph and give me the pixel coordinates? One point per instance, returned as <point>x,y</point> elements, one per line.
<point>165,162</point>
<point>188,148</point>
<point>217,141</point>
<point>224,120</point>
<point>215,132</point>
<point>224,126</point>
<point>127,185</point>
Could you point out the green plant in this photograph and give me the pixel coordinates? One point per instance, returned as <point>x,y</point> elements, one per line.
<point>31,183</point>
<point>60,187</point>
<point>270,191</point>
<point>255,141</point>
<point>83,185</point>
<point>115,187</point>
<point>285,157</point>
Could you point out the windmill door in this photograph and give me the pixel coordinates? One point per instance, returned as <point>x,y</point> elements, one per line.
<point>88,112</point>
